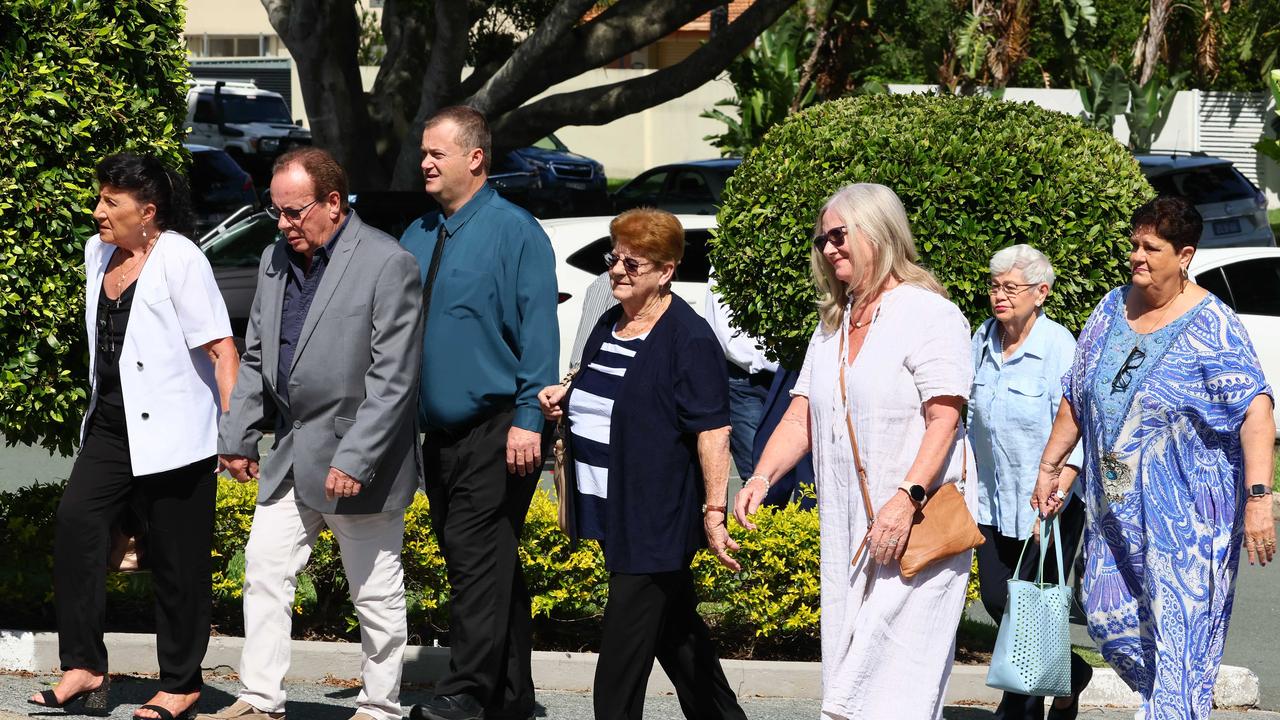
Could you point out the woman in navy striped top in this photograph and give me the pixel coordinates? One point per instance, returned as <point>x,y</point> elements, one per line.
<point>649,439</point>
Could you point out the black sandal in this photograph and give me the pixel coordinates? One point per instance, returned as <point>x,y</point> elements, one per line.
<point>95,699</point>
<point>164,713</point>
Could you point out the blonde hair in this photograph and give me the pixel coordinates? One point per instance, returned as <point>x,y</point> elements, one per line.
<point>876,211</point>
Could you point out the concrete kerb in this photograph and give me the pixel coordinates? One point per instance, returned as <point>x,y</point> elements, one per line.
<point>1237,687</point>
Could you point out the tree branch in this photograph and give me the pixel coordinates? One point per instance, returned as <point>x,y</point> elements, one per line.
<point>623,27</point>
<point>562,18</point>
<point>398,85</point>
<point>605,103</point>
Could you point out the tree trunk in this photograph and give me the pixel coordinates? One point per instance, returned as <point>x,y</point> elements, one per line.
<point>324,38</point>
<point>1153,38</point>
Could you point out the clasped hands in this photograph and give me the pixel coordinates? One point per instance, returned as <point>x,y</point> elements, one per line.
<point>243,469</point>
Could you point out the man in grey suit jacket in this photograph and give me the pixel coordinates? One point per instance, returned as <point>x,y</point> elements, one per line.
<point>331,360</point>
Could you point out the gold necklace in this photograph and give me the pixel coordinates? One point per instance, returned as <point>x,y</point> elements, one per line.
<point>137,259</point>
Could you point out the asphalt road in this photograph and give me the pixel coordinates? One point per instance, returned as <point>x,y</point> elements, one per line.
<point>334,702</point>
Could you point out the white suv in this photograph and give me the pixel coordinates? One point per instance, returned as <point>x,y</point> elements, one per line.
<point>251,124</point>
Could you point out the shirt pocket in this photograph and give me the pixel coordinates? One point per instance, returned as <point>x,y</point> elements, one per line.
<point>468,294</point>
<point>1026,402</point>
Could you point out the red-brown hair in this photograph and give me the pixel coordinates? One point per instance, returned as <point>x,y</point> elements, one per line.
<point>655,234</point>
<point>326,174</point>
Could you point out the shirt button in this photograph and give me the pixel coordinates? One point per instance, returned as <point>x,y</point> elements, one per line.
<point>297,424</point>
<point>139,364</point>
<point>146,416</point>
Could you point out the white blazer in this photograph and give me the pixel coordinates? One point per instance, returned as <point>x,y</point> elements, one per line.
<point>170,395</point>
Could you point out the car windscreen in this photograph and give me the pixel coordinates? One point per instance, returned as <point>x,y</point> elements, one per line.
<point>241,245</point>
<point>255,109</point>
<point>1207,184</point>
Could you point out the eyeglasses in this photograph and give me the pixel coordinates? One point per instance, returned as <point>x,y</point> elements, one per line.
<point>291,214</point>
<point>1121,381</point>
<point>630,265</point>
<point>836,236</point>
<point>1011,290</point>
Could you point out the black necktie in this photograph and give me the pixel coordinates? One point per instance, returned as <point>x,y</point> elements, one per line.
<point>432,271</point>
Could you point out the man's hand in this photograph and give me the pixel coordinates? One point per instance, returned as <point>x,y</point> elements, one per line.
<point>524,451</point>
<point>239,467</point>
<point>718,540</point>
<point>340,484</point>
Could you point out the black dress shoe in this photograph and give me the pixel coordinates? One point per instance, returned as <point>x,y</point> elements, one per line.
<point>448,707</point>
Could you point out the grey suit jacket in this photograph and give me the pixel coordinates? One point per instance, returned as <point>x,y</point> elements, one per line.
<point>353,385</point>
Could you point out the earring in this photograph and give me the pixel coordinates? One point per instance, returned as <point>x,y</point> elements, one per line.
<point>1184,273</point>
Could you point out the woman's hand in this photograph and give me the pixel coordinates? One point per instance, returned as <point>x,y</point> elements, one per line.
<point>549,399</point>
<point>1259,530</point>
<point>888,539</point>
<point>1048,497</point>
<point>748,500</point>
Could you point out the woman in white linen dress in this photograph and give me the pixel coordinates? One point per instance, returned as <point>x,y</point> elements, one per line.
<point>887,641</point>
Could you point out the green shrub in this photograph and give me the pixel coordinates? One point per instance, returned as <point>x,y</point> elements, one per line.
<point>975,175</point>
<point>772,603</point>
<point>79,80</point>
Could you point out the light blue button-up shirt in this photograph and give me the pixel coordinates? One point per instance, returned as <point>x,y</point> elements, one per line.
<point>1011,411</point>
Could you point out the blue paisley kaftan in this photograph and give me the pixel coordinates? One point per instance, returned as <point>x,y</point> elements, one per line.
<point>1164,490</point>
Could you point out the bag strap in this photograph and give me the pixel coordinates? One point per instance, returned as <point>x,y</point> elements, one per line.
<point>1050,534</point>
<point>857,456</point>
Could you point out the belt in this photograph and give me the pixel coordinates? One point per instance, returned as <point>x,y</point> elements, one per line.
<point>761,377</point>
<point>450,434</point>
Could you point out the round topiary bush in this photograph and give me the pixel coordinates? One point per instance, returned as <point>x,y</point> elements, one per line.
<point>975,175</point>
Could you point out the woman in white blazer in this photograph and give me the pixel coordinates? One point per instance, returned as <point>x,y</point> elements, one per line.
<point>162,364</point>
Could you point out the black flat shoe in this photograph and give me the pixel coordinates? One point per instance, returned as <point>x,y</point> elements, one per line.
<point>1070,712</point>
<point>188,714</point>
<point>95,699</point>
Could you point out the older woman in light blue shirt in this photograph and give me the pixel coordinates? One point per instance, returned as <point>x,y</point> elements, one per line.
<point>1019,357</point>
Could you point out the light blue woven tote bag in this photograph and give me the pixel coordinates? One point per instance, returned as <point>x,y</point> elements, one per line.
<point>1033,647</point>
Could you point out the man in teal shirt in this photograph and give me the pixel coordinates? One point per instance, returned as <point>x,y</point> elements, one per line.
<point>491,342</point>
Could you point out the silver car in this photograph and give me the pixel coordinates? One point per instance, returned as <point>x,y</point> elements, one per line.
<point>1233,208</point>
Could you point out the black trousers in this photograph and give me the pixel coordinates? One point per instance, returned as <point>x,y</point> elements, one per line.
<point>176,509</point>
<point>650,616</point>
<point>478,511</point>
<point>996,560</point>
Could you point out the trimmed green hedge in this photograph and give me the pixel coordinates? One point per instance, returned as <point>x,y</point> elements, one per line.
<point>975,175</point>
<point>79,80</point>
<point>770,607</point>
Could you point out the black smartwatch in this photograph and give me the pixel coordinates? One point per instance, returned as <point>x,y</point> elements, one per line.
<point>916,493</point>
<point>1259,490</point>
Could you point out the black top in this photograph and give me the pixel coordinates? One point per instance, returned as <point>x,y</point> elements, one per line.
<point>676,386</point>
<point>113,319</point>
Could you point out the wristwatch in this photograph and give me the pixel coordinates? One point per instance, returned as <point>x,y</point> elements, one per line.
<point>1259,490</point>
<point>916,493</point>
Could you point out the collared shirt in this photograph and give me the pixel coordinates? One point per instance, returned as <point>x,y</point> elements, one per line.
<point>492,340</point>
<point>1011,411</point>
<point>300,286</point>
<point>739,348</point>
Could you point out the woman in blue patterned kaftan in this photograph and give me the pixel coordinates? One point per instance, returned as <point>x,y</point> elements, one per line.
<point>1175,416</point>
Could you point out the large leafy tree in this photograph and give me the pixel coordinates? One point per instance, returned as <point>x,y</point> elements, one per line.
<point>519,50</point>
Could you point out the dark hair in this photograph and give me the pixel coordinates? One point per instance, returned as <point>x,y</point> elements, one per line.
<point>1174,219</point>
<point>473,129</point>
<point>150,181</point>
<point>326,174</point>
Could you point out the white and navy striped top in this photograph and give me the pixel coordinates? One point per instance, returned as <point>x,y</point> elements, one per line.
<point>590,411</point>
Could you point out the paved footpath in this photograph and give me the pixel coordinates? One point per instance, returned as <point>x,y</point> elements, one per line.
<point>322,701</point>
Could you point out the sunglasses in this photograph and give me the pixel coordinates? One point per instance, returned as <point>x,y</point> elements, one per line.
<point>630,265</point>
<point>1121,381</point>
<point>290,214</point>
<point>836,236</point>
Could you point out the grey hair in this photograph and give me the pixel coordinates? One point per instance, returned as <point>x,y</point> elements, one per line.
<point>1034,265</point>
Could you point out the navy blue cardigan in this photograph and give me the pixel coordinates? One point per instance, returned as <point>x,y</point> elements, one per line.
<point>676,387</point>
